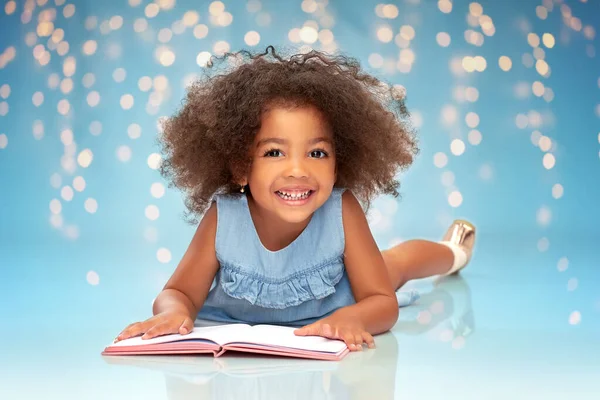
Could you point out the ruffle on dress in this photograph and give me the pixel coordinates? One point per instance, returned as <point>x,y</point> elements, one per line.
<point>311,284</point>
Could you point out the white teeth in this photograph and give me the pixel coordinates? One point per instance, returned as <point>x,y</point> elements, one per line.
<point>293,196</point>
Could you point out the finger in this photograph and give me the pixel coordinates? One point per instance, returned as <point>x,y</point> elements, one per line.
<point>160,329</point>
<point>368,339</point>
<point>358,339</point>
<point>308,330</point>
<point>348,338</point>
<point>186,327</point>
<point>131,331</point>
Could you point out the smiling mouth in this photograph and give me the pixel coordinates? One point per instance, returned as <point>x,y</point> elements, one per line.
<point>294,196</point>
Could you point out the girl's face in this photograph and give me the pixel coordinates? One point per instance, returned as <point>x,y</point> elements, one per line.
<point>293,163</point>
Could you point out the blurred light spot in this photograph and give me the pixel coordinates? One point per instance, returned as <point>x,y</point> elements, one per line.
<point>88,80</point>
<point>407,32</point>
<point>375,60</point>
<point>440,160</point>
<point>56,220</point>
<point>119,74</point>
<point>384,34</point>
<point>134,131</point>
<point>55,180</point>
<point>548,161</point>
<point>4,108</point>
<point>140,25</point>
<point>157,190</point>
<point>116,22</point>
<point>58,35</point>
<point>152,212</point>
<point>449,114</point>
<point>84,159</point>
<point>309,6</point>
<point>79,183</point>
<point>563,264</point>
<point>151,10</point>
<point>575,318</point>
<point>124,153</point>
<point>3,141</point>
<point>253,6</point>
<point>485,172</point>
<point>443,39</point>
<point>166,57</point>
<point>557,191</point>
<point>95,128</point>
<point>93,98</point>
<point>91,205</point>
<point>10,7</point>
<point>538,88</point>
<point>505,63</point>
<point>221,47</point>
<point>145,83</point>
<point>91,23</point>
<point>542,67</point>
<point>447,178</point>
<point>154,161</point>
<point>69,11</point>
<point>67,193</point>
<point>445,6</point>
<point>63,107</point>
<point>541,12</point>
<point>521,121</point>
<point>203,58</point>
<point>163,255</point>
<point>472,120</point>
<point>190,18</point>
<point>37,99</point>
<point>457,147</point>
<point>92,278</point>
<point>533,40</point>
<point>539,53</point>
<point>72,232</point>
<point>45,28</point>
<point>200,31</point>
<point>545,143</point>
<point>66,137</point>
<point>164,35</point>
<point>216,8</point>
<point>38,129</point>
<point>55,206</point>
<point>474,137</point>
<point>543,244</point>
<point>476,9</point>
<point>252,38</point>
<point>424,317</point>
<point>455,199</point>
<point>543,216</point>
<point>126,101</point>
<point>572,284</point>
<point>66,85</point>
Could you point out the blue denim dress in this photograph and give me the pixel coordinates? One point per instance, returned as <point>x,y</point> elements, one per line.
<point>296,285</point>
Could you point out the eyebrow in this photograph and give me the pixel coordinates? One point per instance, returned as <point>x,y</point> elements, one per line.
<point>284,141</point>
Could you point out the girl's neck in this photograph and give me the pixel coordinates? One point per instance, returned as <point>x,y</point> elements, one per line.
<point>274,233</point>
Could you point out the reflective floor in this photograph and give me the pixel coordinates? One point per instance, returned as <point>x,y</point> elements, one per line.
<point>466,338</point>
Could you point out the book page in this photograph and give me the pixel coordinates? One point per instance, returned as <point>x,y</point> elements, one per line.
<point>218,334</point>
<point>283,336</point>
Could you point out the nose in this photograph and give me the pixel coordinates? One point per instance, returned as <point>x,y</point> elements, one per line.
<point>296,167</point>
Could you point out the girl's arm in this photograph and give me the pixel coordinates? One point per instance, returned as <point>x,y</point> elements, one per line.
<point>188,287</point>
<point>376,305</point>
<point>376,308</point>
<point>176,306</point>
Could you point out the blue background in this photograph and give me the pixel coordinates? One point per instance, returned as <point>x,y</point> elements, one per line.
<point>48,271</point>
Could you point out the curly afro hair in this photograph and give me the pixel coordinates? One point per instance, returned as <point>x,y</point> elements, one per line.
<point>206,144</point>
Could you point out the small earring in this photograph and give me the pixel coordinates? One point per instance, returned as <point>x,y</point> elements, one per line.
<point>242,189</point>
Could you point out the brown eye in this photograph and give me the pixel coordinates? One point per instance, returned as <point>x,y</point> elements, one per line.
<point>318,154</point>
<point>272,153</point>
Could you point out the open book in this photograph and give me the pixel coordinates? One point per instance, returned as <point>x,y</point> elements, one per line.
<point>264,339</point>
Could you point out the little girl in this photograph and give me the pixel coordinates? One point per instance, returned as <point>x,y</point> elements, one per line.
<point>281,158</point>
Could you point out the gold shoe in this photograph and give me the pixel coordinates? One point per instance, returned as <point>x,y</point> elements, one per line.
<point>462,234</point>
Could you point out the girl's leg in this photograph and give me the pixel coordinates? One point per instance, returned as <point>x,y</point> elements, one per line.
<point>416,259</point>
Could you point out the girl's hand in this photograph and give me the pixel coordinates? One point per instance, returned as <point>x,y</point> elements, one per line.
<point>341,327</point>
<point>160,324</point>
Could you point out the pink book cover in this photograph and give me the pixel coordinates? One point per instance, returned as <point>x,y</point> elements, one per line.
<point>263,339</point>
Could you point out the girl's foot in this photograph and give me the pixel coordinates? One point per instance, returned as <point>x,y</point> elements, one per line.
<point>460,238</point>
